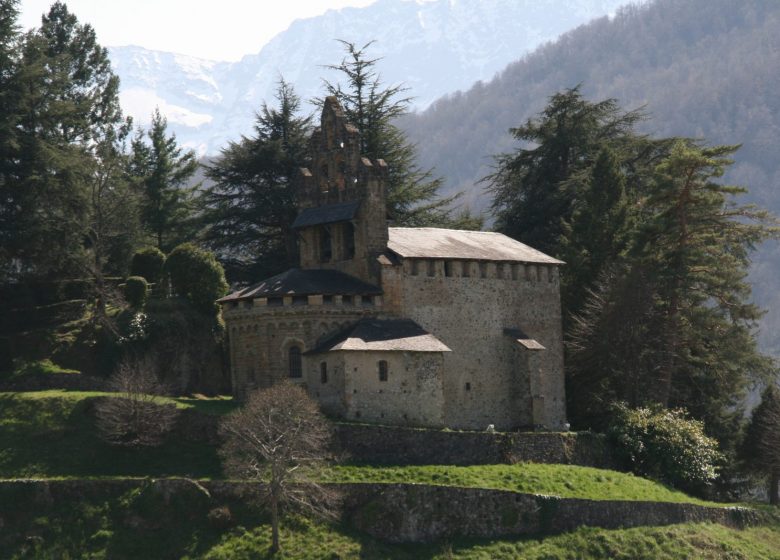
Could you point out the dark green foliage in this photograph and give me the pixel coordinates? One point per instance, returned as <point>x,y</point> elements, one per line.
<point>251,205</point>
<point>412,193</point>
<point>148,263</point>
<point>62,98</point>
<point>196,276</point>
<point>666,445</point>
<point>136,290</point>
<point>163,169</point>
<point>535,188</point>
<point>761,447</point>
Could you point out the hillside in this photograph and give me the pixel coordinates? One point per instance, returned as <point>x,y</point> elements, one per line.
<point>66,493</point>
<point>707,69</point>
<point>434,47</point>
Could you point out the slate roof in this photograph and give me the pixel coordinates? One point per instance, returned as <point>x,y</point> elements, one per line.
<point>394,335</point>
<point>523,339</point>
<point>328,214</point>
<point>437,243</point>
<point>297,282</point>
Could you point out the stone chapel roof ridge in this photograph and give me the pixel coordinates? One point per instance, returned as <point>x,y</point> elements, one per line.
<point>298,282</point>
<point>439,243</point>
<point>388,335</point>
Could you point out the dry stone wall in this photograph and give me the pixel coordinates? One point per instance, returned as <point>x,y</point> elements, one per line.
<point>391,512</point>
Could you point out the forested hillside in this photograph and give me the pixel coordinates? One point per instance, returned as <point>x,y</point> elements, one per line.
<point>701,68</point>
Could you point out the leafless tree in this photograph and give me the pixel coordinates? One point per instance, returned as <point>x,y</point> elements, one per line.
<point>280,438</point>
<point>135,417</point>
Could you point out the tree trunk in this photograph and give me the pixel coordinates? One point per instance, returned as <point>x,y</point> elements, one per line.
<point>274,524</point>
<point>774,487</point>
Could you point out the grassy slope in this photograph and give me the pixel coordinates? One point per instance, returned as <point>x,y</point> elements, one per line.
<point>52,434</point>
<point>567,481</point>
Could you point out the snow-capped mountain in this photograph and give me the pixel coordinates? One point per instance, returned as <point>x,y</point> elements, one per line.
<point>432,46</point>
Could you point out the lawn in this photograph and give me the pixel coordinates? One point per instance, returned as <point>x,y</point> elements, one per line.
<point>566,481</point>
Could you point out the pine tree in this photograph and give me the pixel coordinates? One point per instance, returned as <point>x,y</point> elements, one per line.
<point>373,108</point>
<point>535,188</point>
<point>251,206</point>
<point>761,447</point>
<point>163,170</point>
<point>598,231</point>
<point>65,94</point>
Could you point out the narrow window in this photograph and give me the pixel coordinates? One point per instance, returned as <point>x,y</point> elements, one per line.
<point>323,372</point>
<point>431,268</point>
<point>483,268</point>
<point>382,370</point>
<point>349,240</point>
<point>346,300</point>
<point>447,268</point>
<point>294,355</point>
<point>468,386</point>
<point>326,245</point>
<point>465,269</point>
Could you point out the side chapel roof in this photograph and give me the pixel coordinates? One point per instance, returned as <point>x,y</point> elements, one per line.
<point>393,335</point>
<point>438,243</point>
<point>297,282</point>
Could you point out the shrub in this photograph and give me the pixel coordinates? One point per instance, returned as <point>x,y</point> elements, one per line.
<point>665,445</point>
<point>136,289</point>
<point>148,263</point>
<point>197,276</point>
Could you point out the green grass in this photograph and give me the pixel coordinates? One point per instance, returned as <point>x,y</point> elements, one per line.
<point>49,434</point>
<point>53,434</point>
<point>567,481</point>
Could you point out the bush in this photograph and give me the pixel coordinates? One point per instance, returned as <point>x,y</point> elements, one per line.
<point>665,445</point>
<point>136,289</point>
<point>148,263</point>
<point>197,276</point>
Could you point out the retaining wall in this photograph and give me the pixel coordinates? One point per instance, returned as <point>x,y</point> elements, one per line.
<point>391,512</point>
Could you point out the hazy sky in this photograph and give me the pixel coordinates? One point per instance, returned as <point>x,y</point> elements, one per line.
<point>212,29</point>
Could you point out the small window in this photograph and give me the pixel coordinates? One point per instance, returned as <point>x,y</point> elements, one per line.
<point>275,302</point>
<point>346,300</point>
<point>323,372</point>
<point>431,268</point>
<point>294,356</point>
<point>349,241</point>
<point>382,370</point>
<point>300,300</point>
<point>468,386</point>
<point>465,267</point>
<point>483,269</point>
<point>327,300</point>
<point>326,245</point>
<point>447,268</point>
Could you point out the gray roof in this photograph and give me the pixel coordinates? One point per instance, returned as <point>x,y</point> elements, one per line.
<point>328,214</point>
<point>297,282</point>
<point>388,335</point>
<point>437,243</point>
<point>523,339</point>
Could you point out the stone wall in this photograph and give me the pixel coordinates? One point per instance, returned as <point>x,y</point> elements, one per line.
<point>468,305</point>
<point>391,445</point>
<point>391,512</point>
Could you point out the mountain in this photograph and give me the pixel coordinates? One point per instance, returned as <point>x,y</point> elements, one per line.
<point>434,47</point>
<point>708,69</point>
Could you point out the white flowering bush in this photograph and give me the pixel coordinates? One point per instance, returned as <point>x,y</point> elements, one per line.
<point>665,444</point>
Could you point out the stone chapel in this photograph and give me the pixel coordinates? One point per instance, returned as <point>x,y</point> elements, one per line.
<point>406,326</point>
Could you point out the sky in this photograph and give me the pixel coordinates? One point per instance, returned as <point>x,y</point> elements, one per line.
<point>211,29</point>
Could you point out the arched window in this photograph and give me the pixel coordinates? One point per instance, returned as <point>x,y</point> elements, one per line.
<point>382,370</point>
<point>294,359</point>
<point>323,372</point>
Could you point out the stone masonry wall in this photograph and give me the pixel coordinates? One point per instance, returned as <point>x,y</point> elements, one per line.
<point>467,305</point>
<point>391,512</point>
<point>393,445</point>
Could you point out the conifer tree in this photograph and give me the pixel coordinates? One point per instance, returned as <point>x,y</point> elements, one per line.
<point>250,208</point>
<point>761,447</point>
<point>64,94</point>
<point>535,188</point>
<point>163,170</point>
<point>373,108</point>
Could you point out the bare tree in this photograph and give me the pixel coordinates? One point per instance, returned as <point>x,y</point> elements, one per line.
<point>135,417</point>
<point>280,437</point>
